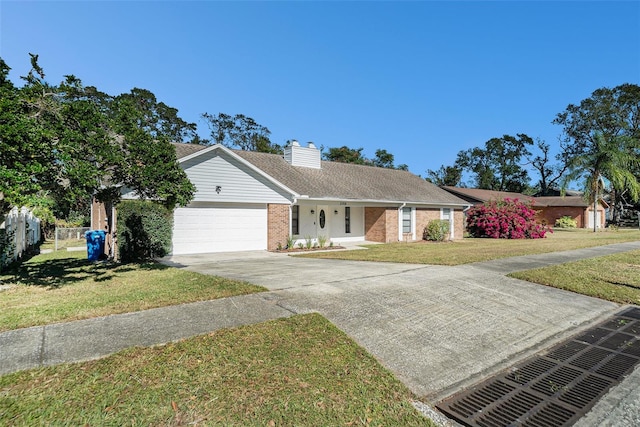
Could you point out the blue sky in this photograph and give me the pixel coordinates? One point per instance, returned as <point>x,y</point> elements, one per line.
<point>422,80</point>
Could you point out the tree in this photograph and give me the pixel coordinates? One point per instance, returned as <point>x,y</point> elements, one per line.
<point>27,145</point>
<point>447,175</point>
<point>71,142</point>
<point>497,165</point>
<point>605,159</point>
<point>144,164</point>
<point>158,119</point>
<point>383,159</point>
<point>85,139</point>
<point>241,132</point>
<point>264,145</point>
<point>550,174</point>
<point>607,121</point>
<point>345,154</point>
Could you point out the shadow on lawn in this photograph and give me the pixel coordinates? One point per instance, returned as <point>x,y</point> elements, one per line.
<point>56,273</point>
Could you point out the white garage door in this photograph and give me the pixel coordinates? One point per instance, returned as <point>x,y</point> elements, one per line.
<point>598,219</point>
<point>205,229</point>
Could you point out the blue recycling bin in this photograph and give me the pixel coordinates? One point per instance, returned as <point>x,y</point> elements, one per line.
<point>95,244</point>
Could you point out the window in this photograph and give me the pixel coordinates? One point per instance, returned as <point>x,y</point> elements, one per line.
<point>446,214</point>
<point>406,220</point>
<point>295,213</point>
<point>347,219</point>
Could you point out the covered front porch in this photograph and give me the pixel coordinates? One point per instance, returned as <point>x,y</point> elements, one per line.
<point>340,222</point>
<point>336,222</point>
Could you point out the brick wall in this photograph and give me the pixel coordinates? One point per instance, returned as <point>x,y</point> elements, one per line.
<point>391,225</point>
<point>423,217</point>
<point>381,224</point>
<point>458,224</point>
<point>374,224</point>
<point>277,226</point>
<point>549,215</point>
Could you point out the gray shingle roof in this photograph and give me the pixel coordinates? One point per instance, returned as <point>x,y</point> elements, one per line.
<point>572,201</point>
<point>477,195</point>
<point>343,181</point>
<point>481,195</point>
<point>184,150</point>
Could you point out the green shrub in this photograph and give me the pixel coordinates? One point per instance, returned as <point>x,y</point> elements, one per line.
<point>144,230</point>
<point>308,242</point>
<point>436,231</point>
<point>566,222</point>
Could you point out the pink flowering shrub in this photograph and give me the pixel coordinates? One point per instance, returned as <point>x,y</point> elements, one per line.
<point>505,219</point>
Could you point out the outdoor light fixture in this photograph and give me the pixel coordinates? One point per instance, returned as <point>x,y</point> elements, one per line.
<point>336,212</point>
<point>218,189</point>
<point>312,211</point>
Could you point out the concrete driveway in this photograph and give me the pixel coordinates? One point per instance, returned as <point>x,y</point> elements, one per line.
<point>436,328</point>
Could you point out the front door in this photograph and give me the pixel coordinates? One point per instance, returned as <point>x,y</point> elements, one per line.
<point>323,220</point>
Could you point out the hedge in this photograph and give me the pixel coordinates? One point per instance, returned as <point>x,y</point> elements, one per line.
<point>144,230</point>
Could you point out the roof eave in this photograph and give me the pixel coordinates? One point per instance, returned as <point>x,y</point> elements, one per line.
<point>388,202</point>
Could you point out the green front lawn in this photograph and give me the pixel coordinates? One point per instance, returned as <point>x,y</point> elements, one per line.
<point>63,286</point>
<point>614,277</point>
<point>300,371</point>
<point>474,250</point>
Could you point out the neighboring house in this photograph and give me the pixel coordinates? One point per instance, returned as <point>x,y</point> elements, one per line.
<point>550,208</point>
<point>555,207</point>
<point>253,201</point>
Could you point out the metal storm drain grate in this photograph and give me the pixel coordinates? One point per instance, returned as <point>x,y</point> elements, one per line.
<point>557,388</point>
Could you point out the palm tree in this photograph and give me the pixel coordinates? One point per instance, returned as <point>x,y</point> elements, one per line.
<point>612,159</point>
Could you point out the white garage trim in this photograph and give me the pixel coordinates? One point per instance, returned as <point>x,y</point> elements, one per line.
<point>212,227</point>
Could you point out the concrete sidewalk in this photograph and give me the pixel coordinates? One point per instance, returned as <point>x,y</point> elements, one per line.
<point>98,337</point>
<point>438,329</point>
<point>528,262</point>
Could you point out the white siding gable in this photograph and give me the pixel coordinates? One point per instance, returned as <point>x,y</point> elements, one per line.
<point>220,177</point>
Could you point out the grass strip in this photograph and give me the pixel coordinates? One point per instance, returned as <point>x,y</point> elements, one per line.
<point>296,371</point>
<point>470,250</point>
<point>613,277</point>
<point>64,286</point>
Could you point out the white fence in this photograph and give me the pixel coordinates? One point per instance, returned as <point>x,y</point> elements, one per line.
<point>19,231</point>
